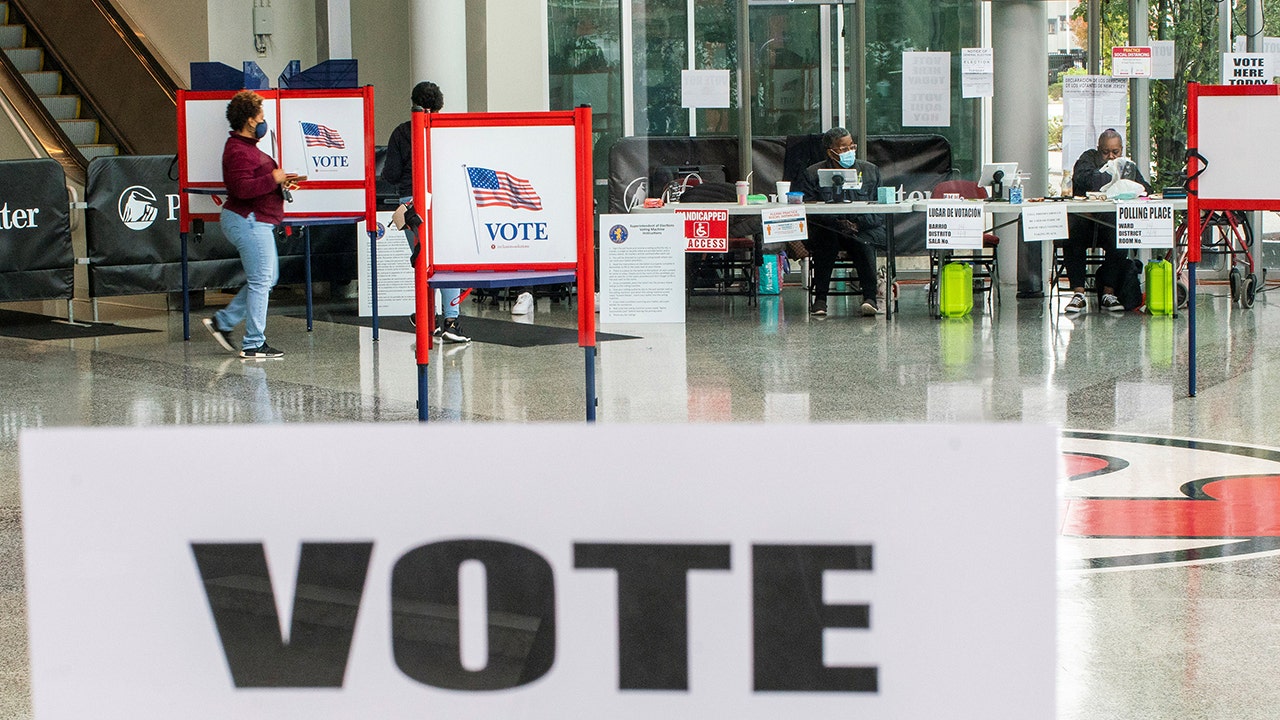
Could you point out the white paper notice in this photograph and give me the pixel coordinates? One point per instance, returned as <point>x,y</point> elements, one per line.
<point>1144,225</point>
<point>784,224</point>
<point>1131,61</point>
<point>641,269</point>
<point>974,85</point>
<point>1091,104</point>
<point>395,274</point>
<point>1044,222</point>
<point>955,225</point>
<point>704,88</point>
<point>977,60</point>
<point>1162,67</point>
<point>926,89</point>
<point>1247,69</point>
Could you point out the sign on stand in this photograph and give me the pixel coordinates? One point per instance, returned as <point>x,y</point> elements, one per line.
<point>395,274</point>
<point>784,224</point>
<point>1043,222</point>
<point>355,585</point>
<point>1144,225</point>
<point>642,273</point>
<point>705,230</point>
<point>955,225</point>
<point>1248,68</point>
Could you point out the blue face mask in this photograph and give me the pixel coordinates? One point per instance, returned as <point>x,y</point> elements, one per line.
<point>261,131</point>
<point>847,157</point>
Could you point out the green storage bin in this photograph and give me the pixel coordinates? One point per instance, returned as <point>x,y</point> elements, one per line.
<point>956,291</point>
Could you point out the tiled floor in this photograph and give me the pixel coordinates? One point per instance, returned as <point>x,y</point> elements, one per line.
<point>1158,625</point>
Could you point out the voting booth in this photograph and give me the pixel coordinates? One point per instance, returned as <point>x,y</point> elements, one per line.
<point>506,202</point>
<point>326,136</point>
<point>1231,165</point>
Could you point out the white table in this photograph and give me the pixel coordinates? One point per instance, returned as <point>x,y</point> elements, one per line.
<point>850,208</point>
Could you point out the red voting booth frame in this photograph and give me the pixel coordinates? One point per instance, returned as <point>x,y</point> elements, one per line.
<point>1198,207</point>
<point>368,185</point>
<point>583,266</point>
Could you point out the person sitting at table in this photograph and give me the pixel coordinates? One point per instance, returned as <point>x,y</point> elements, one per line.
<point>858,235</point>
<point>1095,169</point>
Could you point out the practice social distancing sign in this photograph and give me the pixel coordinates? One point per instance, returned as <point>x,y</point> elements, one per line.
<point>614,572</point>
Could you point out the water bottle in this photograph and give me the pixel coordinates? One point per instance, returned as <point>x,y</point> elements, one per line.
<point>1015,192</point>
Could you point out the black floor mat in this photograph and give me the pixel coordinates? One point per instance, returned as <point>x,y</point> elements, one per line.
<point>485,330</point>
<point>30,326</point>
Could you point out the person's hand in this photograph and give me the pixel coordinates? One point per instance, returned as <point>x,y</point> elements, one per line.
<point>278,176</point>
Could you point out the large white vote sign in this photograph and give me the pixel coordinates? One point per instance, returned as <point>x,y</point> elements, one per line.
<point>885,573</point>
<point>503,195</point>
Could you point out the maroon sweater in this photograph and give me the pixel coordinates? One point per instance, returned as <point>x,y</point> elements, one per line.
<point>246,171</point>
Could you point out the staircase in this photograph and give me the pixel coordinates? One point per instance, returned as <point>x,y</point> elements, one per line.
<point>58,96</point>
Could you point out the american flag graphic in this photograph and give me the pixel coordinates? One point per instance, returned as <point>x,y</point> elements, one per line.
<point>495,188</point>
<point>321,136</point>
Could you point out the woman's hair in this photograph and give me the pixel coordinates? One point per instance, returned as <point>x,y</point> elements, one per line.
<point>427,95</point>
<point>244,107</point>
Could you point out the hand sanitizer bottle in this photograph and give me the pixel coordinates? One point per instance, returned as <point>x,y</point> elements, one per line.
<point>1015,191</point>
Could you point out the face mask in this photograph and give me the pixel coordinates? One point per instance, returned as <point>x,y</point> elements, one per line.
<point>261,131</point>
<point>846,158</point>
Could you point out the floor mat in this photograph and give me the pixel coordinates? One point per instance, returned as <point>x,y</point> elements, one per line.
<point>485,330</point>
<point>30,326</point>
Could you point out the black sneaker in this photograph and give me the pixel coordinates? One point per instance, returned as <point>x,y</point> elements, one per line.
<point>450,333</point>
<point>262,352</point>
<point>222,336</point>
<point>819,308</point>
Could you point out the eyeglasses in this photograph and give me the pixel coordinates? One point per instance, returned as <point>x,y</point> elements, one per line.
<point>845,149</point>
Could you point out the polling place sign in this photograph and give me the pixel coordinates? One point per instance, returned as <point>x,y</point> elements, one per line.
<point>573,575</point>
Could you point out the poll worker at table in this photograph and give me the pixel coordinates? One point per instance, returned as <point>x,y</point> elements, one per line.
<point>858,235</point>
<point>1095,169</point>
<point>254,206</point>
<point>398,169</point>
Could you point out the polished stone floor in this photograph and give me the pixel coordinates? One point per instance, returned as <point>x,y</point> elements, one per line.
<point>1157,624</point>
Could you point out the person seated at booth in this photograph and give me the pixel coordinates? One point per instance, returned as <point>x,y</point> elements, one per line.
<point>1096,169</point>
<point>858,235</point>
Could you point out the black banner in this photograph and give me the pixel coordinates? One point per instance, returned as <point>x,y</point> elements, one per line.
<point>638,167</point>
<point>135,247</point>
<point>35,233</point>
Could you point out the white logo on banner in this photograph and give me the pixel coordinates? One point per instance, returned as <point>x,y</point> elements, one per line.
<point>137,207</point>
<point>17,219</point>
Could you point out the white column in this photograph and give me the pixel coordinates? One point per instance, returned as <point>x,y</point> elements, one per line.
<point>440,48</point>
<point>1019,120</point>
<point>339,24</point>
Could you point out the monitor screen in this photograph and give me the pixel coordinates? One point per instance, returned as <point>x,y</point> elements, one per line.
<point>831,178</point>
<point>1010,169</point>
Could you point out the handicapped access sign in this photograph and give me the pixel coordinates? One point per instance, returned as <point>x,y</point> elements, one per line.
<point>706,230</point>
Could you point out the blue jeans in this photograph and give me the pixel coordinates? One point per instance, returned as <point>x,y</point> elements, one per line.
<point>451,298</point>
<point>257,245</point>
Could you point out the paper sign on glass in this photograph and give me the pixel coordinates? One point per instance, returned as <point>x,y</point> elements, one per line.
<point>704,88</point>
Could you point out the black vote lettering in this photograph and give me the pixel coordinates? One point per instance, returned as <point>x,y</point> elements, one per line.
<point>653,607</point>
<point>325,604</point>
<point>521,615</point>
<point>789,617</point>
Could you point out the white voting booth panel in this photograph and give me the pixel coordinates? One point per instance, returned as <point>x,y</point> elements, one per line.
<point>1237,135</point>
<point>503,195</point>
<point>681,584</point>
<point>204,133</point>
<point>324,135</point>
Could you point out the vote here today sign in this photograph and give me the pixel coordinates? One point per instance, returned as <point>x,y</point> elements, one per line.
<point>575,574</point>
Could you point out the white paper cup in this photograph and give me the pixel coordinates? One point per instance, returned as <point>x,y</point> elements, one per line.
<point>784,187</point>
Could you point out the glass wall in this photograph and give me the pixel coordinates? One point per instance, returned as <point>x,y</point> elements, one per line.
<point>805,58</point>
<point>893,27</point>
